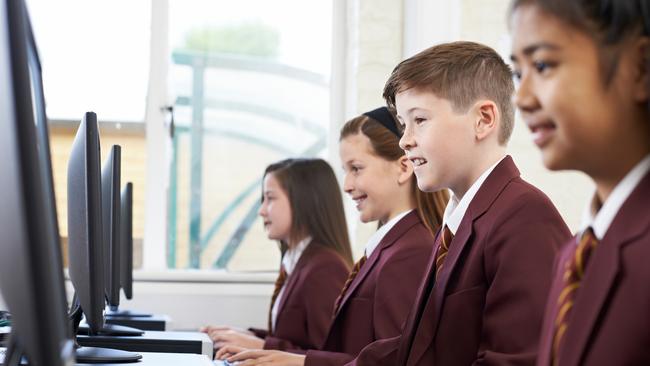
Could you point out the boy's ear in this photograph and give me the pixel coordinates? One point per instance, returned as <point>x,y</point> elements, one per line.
<point>642,72</point>
<point>486,117</point>
<point>405,169</point>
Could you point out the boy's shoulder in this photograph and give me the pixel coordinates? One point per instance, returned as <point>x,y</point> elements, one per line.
<point>506,196</point>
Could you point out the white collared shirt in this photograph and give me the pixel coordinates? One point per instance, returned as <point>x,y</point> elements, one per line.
<point>289,262</point>
<point>376,238</point>
<point>456,209</point>
<point>600,220</point>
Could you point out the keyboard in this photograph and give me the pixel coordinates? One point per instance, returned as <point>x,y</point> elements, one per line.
<point>224,363</point>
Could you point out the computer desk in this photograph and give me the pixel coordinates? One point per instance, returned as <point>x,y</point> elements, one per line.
<point>163,359</point>
<point>154,322</point>
<point>154,341</point>
<point>153,359</point>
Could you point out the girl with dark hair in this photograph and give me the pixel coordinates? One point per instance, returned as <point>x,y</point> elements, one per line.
<point>583,70</point>
<point>376,299</point>
<point>302,209</point>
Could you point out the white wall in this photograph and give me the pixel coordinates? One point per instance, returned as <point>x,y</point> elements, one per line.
<point>193,299</point>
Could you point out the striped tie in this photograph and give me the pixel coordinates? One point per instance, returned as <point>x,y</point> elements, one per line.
<point>348,282</point>
<point>279,283</point>
<point>573,273</point>
<point>445,241</point>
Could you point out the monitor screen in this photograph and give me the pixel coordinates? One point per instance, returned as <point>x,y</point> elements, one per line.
<point>31,273</point>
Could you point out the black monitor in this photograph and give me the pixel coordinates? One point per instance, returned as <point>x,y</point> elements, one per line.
<point>85,242</point>
<point>126,268</point>
<point>126,254</point>
<point>85,237</point>
<point>31,271</point>
<point>111,209</point>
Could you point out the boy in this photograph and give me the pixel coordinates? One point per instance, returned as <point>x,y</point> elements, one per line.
<point>487,281</point>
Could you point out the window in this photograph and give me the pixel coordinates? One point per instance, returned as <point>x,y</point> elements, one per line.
<point>95,57</point>
<point>250,85</point>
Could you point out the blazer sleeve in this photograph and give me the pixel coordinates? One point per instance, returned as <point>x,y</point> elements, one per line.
<point>259,333</point>
<point>382,352</point>
<point>321,288</point>
<point>520,257</point>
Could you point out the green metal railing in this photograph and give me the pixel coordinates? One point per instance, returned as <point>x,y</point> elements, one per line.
<point>198,103</point>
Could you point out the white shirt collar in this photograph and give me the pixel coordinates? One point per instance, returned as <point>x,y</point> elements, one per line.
<point>455,210</point>
<point>292,256</point>
<point>600,220</point>
<point>376,238</point>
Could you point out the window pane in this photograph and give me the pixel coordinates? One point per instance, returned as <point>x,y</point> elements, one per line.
<point>95,56</point>
<point>250,80</point>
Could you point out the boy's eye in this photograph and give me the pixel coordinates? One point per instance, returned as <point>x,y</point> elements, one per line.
<point>419,120</point>
<point>516,74</point>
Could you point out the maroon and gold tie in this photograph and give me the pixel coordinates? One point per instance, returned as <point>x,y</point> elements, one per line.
<point>348,282</point>
<point>279,283</point>
<point>445,241</point>
<point>574,271</point>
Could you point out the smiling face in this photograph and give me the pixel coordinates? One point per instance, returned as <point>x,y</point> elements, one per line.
<point>275,210</point>
<point>438,140</point>
<point>573,115</point>
<point>371,181</point>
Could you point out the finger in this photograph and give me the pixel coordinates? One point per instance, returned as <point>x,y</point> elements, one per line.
<point>248,354</point>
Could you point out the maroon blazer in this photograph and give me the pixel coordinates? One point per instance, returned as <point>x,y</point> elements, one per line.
<point>488,302</point>
<point>380,297</point>
<point>305,309</point>
<point>610,319</point>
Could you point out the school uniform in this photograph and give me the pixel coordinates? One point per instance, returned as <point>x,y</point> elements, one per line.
<point>605,316</point>
<point>302,312</point>
<point>484,302</point>
<point>377,301</point>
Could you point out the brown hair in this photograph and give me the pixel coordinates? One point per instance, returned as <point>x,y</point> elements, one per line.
<point>461,72</point>
<point>607,22</point>
<point>385,144</point>
<point>316,203</point>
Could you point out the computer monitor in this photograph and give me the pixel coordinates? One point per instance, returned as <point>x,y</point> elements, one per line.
<point>31,271</point>
<point>126,267</point>
<point>85,237</point>
<point>85,241</point>
<point>111,213</point>
<point>126,254</point>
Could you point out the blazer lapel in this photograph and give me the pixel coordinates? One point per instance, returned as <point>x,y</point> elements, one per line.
<point>391,237</point>
<point>428,325</point>
<point>599,281</point>
<point>502,174</point>
<point>421,300</point>
<point>295,276</point>
<point>546,339</point>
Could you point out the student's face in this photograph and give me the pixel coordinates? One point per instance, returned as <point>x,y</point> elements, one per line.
<point>371,181</point>
<point>436,139</point>
<point>275,210</point>
<point>573,117</point>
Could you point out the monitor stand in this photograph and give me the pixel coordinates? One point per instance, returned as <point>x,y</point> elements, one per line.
<point>95,354</point>
<point>111,330</point>
<point>116,312</point>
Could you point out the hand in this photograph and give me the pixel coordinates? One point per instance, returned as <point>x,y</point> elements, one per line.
<point>211,328</point>
<point>235,338</point>
<point>266,358</point>
<point>227,351</point>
